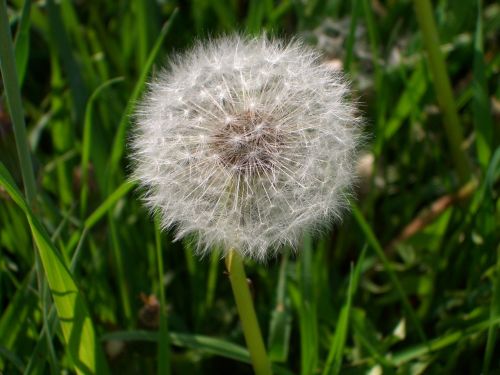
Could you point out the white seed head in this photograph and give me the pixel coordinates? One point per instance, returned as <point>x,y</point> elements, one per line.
<point>247,143</point>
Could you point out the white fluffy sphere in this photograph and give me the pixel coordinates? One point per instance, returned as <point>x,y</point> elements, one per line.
<point>247,143</point>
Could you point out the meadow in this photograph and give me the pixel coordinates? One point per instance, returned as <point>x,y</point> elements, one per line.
<point>407,283</point>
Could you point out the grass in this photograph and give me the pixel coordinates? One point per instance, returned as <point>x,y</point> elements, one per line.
<point>373,293</point>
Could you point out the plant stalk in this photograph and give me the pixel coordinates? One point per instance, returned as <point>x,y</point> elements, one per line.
<point>443,89</point>
<point>246,311</point>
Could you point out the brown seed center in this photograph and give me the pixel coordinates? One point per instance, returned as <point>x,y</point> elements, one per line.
<point>247,142</point>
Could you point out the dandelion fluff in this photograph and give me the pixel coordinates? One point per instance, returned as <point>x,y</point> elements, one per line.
<point>246,142</point>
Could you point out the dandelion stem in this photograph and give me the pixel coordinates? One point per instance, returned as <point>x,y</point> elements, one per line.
<point>442,86</point>
<point>244,304</point>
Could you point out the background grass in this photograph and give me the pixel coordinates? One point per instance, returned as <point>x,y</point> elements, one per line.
<point>373,294</point>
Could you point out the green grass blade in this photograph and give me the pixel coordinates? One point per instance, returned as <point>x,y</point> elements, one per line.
<point>87,142</point>
<point>77,327</point>
<point>226,13</point>
<point>13,95</point>
<point>442,85</point>
<point>197,342</point>
<point>16,314</point>
<point>52,357</point>
<point>308,320</point>
<point>278,12</point>
<point>122,282</point>
<point>280,326</point>
<point>77,33</point>
<point>378,75</point>
<point>163,356</point>
<point>195,280</point>
<point>334,360</point>
<point>146,28</point>
<point>494,315</point>
<point>373,242</point>
<point>367,336</point>
<point>445,340</point>
<point>60,38</point>
<point>11,357</point>
<point>492,174</point>
<point>213,272</point>
<point>211,345</point>
<point>257,10</point>
<point>414,91</point>
<point>482,119</point>
<point>39,353</point>
<point>204,344</point>
<point>110,201</point>
<point>356,8</point>
<point>119,141</point>
<point>22,42</point>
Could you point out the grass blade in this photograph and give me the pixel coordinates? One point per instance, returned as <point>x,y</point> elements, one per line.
<point>77,327</point>
<point>197,342</point>
<point>492,175</point>
<point>414,91</point>
<point>482,119</point>
<point>13,94</point>
<point>119,141</point>
<point>87,142</point>
<point>257,11</point>
<point>308,320</point>
<point>16,314</point>
<point>60,37</point>
<point>443,89</point>
<point>105,206</point>
<point>163,345</point>
<point>494,315</point>
<point>22,42</point>
<point>213,271</point>
<point>334,360</point>
<point>280,326</point>
<point>205,344</point>
<point>378,74</point>
<point>12,357</point>
<point>122,282</point>
<point>373,242</point>
<point>441,342</point>
<point>356,8</point>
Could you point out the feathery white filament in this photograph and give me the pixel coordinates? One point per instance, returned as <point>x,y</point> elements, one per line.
<point>246,142</point>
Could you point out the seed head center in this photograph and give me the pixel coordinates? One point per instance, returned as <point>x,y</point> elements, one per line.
<point>247,142</point>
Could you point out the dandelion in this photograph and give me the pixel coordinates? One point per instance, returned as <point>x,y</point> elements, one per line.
<point>247,143</point>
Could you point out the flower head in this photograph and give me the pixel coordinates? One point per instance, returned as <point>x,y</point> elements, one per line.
<point>246,142</point>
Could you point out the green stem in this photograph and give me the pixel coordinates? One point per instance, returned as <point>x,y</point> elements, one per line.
<point>443,89</point>
<point>13,95</point>
<point>244,304</point>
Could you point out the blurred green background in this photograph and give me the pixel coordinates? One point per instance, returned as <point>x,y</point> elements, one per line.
<point>408,283</point>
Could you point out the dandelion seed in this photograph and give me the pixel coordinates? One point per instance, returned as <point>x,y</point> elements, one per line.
<point>257,144</point>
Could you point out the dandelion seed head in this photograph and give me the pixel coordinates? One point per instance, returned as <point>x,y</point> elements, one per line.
<point>247,143</point>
